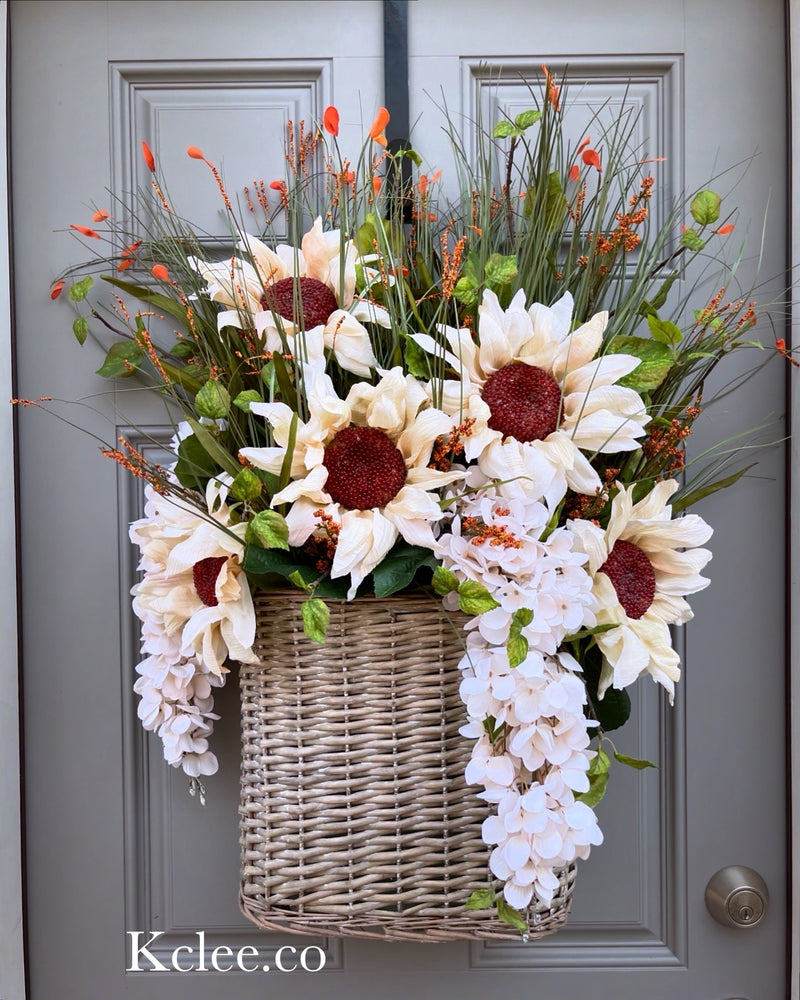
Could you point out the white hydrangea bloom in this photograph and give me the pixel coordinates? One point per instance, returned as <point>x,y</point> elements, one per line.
<point>496,540</point>
<point>176,702</point>
<point>534,773</point>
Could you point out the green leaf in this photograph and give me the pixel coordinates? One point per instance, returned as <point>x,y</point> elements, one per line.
<point>594,630</point>
<point>465,291</point>
<point>376,230</point>
<point>182,376</point>
<point>194,467</point>
<point>500,270</point>
<point>661,295</point>
<point>705,207</point>
<point>705,491</point>
<point>80,289</point>
<point>640,491</point>
<point>366,237</point>
<point>266,568</point>
<point>398,569</point>
<point>285,384</point>
<point>418,362</point>
<point>286,464</point>
<point>474,598</point>
<point>714,322</point>
<point>601,763</point>
<point>122,360</point>
<point>215,450</point>
<point>161,302</point>
<point>299,580</point>
<point>527,118</point>
<point>663,331</point>
<point>444,581</point>
<point>316,618</point>
<point>412,155</point>
<point>493,731</point>
<point>268,529</point>
<point>267,375</point>
<point>80,327</point>
<point>556,203</point>
<point>509,915</point>
<point>503,129</point>
<point>598,780</point>
<point>517,649</point>
<point>213,401</point>
<point>246,486</point>
<point>655,361</point>
<point>597,789</point>
<point>183,349</point>
<point>481,899</point>
<point>647,308</point>
<point>690,238</point>
<point>472,267</point>
<point>640,765</point>
<point>614,709</point>
<point>246,397</point>
<point>517,644</point>
<point>261,562</point>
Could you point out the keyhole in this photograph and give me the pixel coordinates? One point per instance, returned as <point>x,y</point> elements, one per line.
<point>745,913</point>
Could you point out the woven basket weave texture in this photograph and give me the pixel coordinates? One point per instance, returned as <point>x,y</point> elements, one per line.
<point>355,817</point>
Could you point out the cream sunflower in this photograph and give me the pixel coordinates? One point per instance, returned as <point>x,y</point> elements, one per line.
<point>359,468</point>
<point>644,564</point>
<point>538,396</point>
<point>193,584</point>
<point>319,278</point>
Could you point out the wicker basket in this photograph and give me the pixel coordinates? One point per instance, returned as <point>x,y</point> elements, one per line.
<point>355,818</point>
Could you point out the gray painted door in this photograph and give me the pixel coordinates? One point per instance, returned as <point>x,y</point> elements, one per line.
<point>114,843</point>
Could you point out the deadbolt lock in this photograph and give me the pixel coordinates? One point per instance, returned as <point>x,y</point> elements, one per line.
<point>737,896</point>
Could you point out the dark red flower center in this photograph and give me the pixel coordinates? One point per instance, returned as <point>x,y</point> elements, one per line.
<point>318,301</point>
<point>365,469</point>
<point>204,574</point>
<point>524,402</point>
<point>633,577</point>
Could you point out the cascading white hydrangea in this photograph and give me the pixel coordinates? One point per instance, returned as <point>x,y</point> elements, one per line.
<point>537,757</point>
<point>176,701</point>
<point>536,768</point>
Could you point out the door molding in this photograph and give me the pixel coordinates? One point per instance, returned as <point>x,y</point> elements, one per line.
<point>12,960</point>
<point>793,124</point>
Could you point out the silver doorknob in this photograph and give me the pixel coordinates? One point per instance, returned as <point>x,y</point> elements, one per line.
<point>737,896</point>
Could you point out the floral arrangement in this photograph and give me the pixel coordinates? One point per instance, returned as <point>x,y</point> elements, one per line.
<point>488,398</point>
